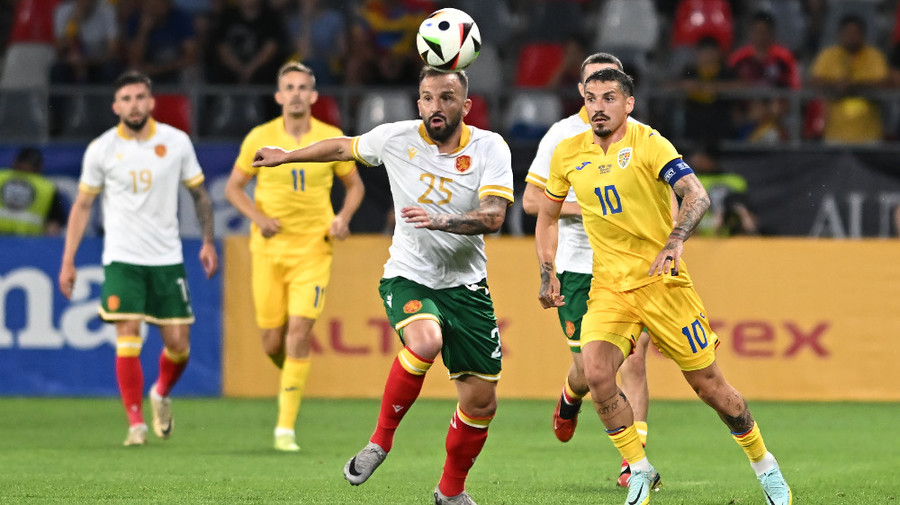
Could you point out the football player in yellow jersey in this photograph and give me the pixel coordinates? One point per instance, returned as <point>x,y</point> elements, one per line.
<point>291,234</point>
<point>621,172</point>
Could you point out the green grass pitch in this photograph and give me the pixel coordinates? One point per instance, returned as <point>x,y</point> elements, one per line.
<point>62,451</point>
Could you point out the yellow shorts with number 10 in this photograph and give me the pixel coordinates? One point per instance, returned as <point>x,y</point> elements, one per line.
<point>290,285</point>
<point>673,314</point>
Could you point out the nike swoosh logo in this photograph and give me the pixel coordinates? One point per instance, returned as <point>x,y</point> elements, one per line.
<point>771,501</point>
<point>167,429</point>
<point>291,388</point>
<point>352,468</point>
<point>634,502</point>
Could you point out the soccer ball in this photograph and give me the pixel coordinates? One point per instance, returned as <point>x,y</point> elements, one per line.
<point>448,40</point>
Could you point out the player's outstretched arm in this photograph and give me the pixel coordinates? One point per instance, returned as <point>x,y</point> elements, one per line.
<point>694,203</point>
<point>353,184</point>
<point>487,218</point>
<point>78,220</point>
<point>534,196</point>
<point>546,236</point>
<point>203,206</point>
<point>333,149</point>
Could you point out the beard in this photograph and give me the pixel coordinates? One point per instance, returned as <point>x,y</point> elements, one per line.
<point>136,125</point>
<point>601,131</point>
<point>443,133</point>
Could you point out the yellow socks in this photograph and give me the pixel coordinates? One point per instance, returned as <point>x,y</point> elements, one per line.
<point>628,442</point>
<point>293,383</point>
<point>752,443</point>
<point>641,427</point>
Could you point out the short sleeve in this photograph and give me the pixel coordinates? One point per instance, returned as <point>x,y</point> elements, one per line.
<point>662,152</point>
<point>343,168</point>
<point>92,177</point>
<point>557,182</point>
<point>244,161</point>
<point>368,147</point>
<point>497,178</point>
<point>191,173</point>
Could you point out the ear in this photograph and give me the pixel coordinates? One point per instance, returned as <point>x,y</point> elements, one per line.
<point>152,104</point>
<point>467,106</point>
<point>313,97</point>
<point>629,104</point>
<point>278,98</point>
<point>581,89</point>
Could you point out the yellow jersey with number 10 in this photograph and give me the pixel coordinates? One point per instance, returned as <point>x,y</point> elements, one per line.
<point>297,194</point>
<point>624,201</point>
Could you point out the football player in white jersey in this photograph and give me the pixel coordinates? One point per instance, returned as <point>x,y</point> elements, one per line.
<point>573,264</point>
<point>138,167</point>
<point>451,183</point>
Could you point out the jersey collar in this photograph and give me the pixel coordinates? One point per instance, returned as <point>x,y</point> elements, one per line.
<point>463,139</point>
<point>122,132</point>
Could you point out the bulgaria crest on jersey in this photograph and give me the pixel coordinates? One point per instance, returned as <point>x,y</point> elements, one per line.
<point>160,150</point>
<point>463,163</point>
<point>412,306</point>
<point>624,157</point>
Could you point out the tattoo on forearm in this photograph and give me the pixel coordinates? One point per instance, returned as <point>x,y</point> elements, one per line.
<point>546,272</point>
<point>487,218</point>
<point>204,208</point>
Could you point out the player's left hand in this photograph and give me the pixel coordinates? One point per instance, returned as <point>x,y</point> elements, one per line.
<point>340,228</point>
<point>668,257</point>
<point>418,217</point>
<point>209,258</point>
<point>269,157</point>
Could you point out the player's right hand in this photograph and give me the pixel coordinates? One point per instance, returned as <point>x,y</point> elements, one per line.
<point>269,157</point>
<point>67,280</point>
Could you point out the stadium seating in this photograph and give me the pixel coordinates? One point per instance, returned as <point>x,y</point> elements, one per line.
<point>695,19</point>
<point>486,74</point>
<point>328,110</point>
<point>480,114</point>
<point>383,107</point>
<point>790,21</point>
<point>530,114</point>
<point>537,62</point>
<point>627,24</point>
<point>27,65</point>
<point>174,110</point>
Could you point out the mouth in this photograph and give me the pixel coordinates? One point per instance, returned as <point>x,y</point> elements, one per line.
<point>599,119</point>
<point>437,121</point>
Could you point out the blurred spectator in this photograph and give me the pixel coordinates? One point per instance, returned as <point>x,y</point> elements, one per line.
<point>247,44</point>
<point>728,212</point>
<point>707,116</point>
<point>161,40</point>
<point>764,63</point>
<point>319,35</point>
<point>844,70</point>
<point>87,42</point>
<point>29,202</point>
<point>383,38</point>
<point>567,74</point>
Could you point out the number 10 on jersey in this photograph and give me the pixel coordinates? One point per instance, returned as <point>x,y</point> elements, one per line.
<point>609,199</point>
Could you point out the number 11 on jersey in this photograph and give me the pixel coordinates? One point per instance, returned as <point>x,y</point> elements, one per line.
<point>299,177</point>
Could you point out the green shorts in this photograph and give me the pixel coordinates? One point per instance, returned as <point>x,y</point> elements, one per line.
<point>156,294</point>
<point>575,287</point>
<point>466,316</point>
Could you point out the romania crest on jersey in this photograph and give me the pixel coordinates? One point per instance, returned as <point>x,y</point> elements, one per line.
<point>624,157</point>
<point>463,163</point>
<point>412,306</point>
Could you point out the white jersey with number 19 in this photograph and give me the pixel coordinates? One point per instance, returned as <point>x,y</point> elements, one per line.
<point>139,180</point>
<point>451,183</point>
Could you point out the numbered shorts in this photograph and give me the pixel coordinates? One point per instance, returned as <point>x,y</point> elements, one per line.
<point>673,314</point>
<point>575,287</point>
<point>156,294</point>
<point>465,314</point>
<point>292,285</point>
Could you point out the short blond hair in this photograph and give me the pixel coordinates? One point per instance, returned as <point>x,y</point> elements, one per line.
<point>296,66</point>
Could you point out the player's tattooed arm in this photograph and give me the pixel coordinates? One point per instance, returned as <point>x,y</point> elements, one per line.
<point>487,218</point>
<point>204,209</point>
<point>694,203</point>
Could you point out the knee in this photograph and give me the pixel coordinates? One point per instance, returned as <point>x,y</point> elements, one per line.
<point>272,342</point>
<point>601,380</point>
<point>479,406</point>
<point>426,344</point>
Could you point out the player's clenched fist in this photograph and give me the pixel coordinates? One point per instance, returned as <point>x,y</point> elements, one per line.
<point>269,157</point>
